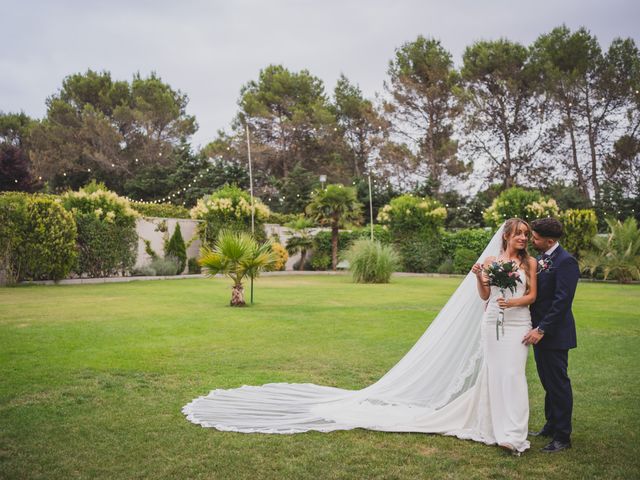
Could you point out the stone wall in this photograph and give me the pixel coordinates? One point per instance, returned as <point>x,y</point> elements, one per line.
<point>150,228</point>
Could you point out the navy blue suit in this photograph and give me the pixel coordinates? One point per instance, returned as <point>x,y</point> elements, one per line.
<point>552,313</point>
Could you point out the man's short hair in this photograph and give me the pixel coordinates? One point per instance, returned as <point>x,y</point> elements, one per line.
<point>548,227</point>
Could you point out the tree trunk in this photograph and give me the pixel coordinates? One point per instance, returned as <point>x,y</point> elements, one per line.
<point>303,254</point>
<point>508,180</point>
<point>582,184</point>
<point>237,296</point>
<point>592,149</point>
<point>334,247</point>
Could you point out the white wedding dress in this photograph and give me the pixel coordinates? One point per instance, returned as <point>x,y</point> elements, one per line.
<point>458,379</point>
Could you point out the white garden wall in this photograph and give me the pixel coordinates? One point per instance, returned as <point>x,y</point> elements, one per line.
<point>148,229</point>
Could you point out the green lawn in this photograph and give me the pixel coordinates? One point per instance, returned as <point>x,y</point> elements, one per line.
<point>93,377</point>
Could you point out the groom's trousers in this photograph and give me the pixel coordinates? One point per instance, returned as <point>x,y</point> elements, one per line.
<point>558,399</point>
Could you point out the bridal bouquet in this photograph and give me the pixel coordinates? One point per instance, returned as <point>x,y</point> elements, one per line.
<point>505,276</point>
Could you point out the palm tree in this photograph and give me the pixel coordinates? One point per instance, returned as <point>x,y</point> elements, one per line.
<point>301,241</point>
<point>618,254</point>
<point>336,206</point>
<point>237,255</point>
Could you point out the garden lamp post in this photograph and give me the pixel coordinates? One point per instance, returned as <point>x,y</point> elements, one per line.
<point>253,227</point>
<point>370,207</point>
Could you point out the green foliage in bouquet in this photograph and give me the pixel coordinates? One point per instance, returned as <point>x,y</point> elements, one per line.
<point>503,275</point>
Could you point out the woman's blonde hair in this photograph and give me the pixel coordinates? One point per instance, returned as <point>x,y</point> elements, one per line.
<point>510,228</point>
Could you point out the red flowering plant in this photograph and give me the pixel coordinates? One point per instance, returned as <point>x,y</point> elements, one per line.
<point>505,276</point>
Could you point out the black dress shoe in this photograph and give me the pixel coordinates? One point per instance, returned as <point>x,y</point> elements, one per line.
<point>556,446</point>
<point>541,433</point>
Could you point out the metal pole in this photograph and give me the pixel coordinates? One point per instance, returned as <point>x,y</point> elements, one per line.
<point>253,228</point>
<point>371,207</point>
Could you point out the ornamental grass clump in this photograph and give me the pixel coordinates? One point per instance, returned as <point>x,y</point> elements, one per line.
<point>371,261</point>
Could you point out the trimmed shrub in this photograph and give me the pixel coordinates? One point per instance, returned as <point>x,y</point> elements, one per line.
<point>463,260</point>
<point>282,218</point>
<point>176,248</point>
<point>518,202</point>
<point>37,238</point>
<point>107,238</point>
<point>446,267</point>
<point>420,256</point>
<point>580,227</point>
<point>474,239</point>
<point>162,210</point>
<point>193,266</point>
<point>229,208</point>
<point>371,261</point>
<point>409,216</point>
<point>320,261</point>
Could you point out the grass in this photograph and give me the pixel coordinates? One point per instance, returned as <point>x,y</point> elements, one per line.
<point>93,377</point>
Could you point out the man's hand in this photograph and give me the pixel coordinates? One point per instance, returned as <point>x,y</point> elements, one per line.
<point>533,337</point>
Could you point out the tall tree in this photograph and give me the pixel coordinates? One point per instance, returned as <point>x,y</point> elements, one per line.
<point>15,163</point>
<point>501,109</point>
<point>362,126</point>
<point>108,130</point>
<point>290,121</point>
<point>622,163</point>
<point>590,92</point>
<point>422,107</point>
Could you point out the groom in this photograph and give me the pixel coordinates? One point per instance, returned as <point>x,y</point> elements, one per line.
<point>554,330</point>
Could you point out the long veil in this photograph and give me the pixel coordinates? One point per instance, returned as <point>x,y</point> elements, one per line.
<point>414,395</point>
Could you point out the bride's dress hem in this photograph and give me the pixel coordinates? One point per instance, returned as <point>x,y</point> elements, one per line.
<point>461,435</point>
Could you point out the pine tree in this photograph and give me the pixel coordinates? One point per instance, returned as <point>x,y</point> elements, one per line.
<point>177,249</point>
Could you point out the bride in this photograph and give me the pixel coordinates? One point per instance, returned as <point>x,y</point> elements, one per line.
<point>458,379</point>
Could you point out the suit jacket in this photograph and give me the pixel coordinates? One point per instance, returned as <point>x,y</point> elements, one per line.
<point>552,309</point>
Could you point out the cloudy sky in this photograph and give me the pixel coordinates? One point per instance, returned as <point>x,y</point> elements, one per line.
<point>209,49</point>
